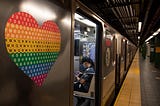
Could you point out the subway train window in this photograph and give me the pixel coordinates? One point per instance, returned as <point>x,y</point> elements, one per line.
<point>108,41</point>
<point>84,60</point>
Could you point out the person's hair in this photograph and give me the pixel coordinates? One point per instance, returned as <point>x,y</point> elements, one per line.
<point>89,60</point>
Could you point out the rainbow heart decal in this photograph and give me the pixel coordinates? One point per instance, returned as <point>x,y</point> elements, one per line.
<point>33,48</point>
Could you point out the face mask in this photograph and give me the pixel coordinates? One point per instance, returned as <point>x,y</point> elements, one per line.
<point>82,68</point>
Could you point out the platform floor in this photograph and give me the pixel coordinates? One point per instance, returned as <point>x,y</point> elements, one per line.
<point>141,86</point>
<point>130,92</point>
<point>150,83</point>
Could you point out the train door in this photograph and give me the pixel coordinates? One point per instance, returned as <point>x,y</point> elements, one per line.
<point>109,50</point>
<point>123,49</point>
<point>125,56</point>
<point>84,52</point>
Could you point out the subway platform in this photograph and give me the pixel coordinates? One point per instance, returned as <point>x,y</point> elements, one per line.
<point>141,86</point>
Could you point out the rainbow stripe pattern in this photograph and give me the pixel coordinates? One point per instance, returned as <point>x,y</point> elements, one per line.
<point>33,48</point>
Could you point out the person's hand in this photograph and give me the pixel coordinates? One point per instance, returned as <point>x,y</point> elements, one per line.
<point>82,81</point>
<point>77,78</point>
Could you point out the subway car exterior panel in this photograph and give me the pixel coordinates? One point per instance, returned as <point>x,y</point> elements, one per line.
<point>38,61</point>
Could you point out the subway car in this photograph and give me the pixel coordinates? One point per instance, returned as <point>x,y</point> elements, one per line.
<point>43,43</point>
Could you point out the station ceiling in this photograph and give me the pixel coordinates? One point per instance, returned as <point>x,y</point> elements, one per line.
<point>124,16</point>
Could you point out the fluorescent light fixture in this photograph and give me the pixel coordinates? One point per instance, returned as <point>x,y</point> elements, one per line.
<point>139,37</point>
<point>139,26</point>
<point>149,38</point>
<point>155,33</point>
<point>84,20</point>
<point>158,30</point>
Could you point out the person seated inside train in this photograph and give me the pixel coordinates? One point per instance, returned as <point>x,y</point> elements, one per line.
<point>83,79</point>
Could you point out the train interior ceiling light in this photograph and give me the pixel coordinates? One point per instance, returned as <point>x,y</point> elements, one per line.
<point>84,20</point>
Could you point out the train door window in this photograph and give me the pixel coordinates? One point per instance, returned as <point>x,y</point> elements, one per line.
<point>114,50</point>
<point>108,40</point>
<point>122,49</point>
<point>84,53</point>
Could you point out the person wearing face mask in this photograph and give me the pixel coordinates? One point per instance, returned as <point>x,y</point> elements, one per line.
<point>83,80</point>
